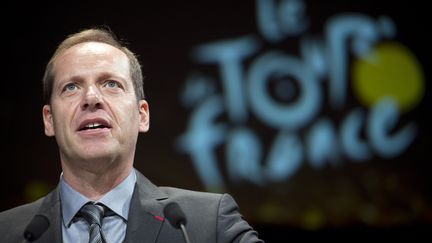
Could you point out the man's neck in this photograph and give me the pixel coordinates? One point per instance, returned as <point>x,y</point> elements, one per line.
<point>94,183</point>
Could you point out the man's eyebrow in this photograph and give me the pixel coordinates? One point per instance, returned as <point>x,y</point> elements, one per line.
<point>107,75</point>
<point>75,79</point>
<point>102,76</point>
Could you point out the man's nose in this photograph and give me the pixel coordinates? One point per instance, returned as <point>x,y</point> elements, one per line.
<point>92,98</point>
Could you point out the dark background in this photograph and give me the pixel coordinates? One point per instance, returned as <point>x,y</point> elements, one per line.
<point>163,35</point>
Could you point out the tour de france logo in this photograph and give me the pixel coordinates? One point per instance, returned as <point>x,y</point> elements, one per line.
<point>339,98</point>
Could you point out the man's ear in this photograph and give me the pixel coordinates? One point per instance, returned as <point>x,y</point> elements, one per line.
<point>48,120</point>
<point>144,113</point>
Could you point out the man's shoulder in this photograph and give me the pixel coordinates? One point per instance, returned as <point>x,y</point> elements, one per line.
<point>191,200</point>
<point>18,217</point>
<point>179,193</point>
<point>26,209</point>
<point>218,213</point>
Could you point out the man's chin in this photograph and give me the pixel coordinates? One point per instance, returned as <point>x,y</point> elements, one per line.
<point>97,154</point>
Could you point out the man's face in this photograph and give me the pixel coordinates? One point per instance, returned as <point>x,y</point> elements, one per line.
<point>94,113</point>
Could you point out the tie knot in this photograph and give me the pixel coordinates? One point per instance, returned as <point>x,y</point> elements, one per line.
<point>93,213</point>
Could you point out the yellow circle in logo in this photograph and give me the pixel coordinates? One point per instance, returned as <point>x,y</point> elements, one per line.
<point>389,70</point>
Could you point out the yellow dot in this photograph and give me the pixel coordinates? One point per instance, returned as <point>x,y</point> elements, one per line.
<point>390,70</point>
<point>313,219</point>
<point>35,190</point>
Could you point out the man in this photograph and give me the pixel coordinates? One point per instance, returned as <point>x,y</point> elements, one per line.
<point>95,108</point>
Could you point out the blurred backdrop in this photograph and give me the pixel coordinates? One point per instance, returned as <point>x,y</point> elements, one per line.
<point>312,114</point>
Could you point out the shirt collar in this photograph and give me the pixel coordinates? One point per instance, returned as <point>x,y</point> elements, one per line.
<point>118,199</point>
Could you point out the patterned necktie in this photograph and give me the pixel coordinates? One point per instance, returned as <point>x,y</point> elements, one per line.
<point>93,213</point>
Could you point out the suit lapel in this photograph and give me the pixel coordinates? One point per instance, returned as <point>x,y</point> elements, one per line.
<point>145,213</point>
<point>50,208</point>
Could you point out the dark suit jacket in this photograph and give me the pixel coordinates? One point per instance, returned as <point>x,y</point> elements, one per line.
<point>210,217</point>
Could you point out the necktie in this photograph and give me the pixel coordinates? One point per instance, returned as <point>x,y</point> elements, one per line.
<point>93,213</point>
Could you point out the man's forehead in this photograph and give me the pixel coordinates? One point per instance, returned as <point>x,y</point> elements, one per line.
<point>91,57</point>
<point>92,48</point>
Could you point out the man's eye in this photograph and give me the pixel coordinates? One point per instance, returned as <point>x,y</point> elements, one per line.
<point>70,87</point>
<point>112,84</point>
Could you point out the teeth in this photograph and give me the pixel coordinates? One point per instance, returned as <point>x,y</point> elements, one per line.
<point>92,125</point>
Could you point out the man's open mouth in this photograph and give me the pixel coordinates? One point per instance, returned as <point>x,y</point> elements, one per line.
<point>93,125</point>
